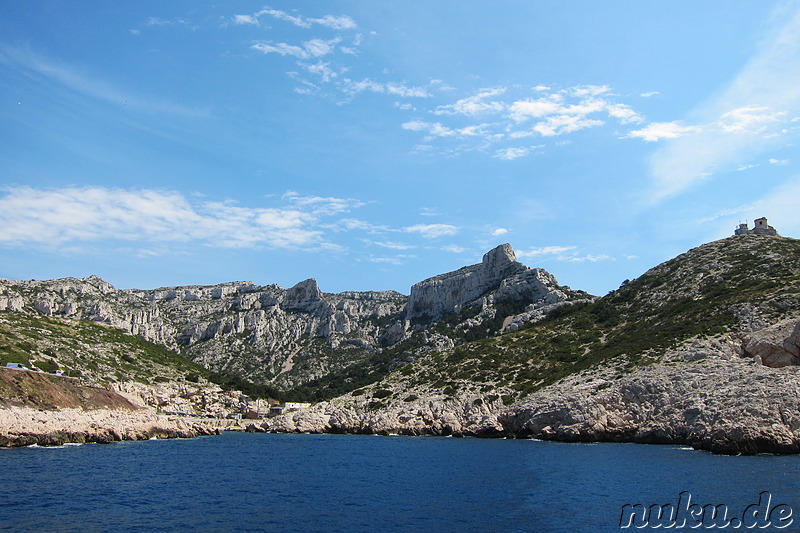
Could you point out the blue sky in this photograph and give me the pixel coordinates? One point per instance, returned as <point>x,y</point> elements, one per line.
<point>373,144</point>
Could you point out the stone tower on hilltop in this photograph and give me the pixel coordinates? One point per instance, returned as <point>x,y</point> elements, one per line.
<point>760,228</point>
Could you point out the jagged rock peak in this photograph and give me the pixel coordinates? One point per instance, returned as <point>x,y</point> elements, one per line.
<point>433,297</point>
<point>499,256</point>
<point>301,295</point>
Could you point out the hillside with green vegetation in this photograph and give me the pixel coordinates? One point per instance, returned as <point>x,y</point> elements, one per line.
<point>101,354</point>
<point>712,289</point>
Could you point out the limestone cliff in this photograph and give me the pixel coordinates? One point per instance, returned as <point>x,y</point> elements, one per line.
<point>289,337</point>
<point>499,277</point>
<point>701,350</point>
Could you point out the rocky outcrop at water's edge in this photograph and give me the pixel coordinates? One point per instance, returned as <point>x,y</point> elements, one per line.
<point>702,394</point>
<point>26,426</point>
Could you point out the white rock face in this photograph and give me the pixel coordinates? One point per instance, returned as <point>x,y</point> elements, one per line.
<point>433,297</point>
<point>774,346</point>
<point>703,394</point>
<point>729,405</point>
<point>291,336</point>
<point>499,276</point>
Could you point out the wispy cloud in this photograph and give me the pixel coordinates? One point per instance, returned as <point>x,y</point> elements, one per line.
<point>307,50</point>
<point>755,113</point>
<point>562,253</point>
<point>656,131</point>
<point>70,77</point>
<point>498,118</point>
<point>454,248</point>
<point>336,22</point>
<point>394,245</point>
<point>474,105</point>
<point>544,250</point>
<point>58,217</point>
<point>511,153</point>
<point>432,231</point>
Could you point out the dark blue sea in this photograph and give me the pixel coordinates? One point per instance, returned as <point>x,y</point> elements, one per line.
<point>284,483</point>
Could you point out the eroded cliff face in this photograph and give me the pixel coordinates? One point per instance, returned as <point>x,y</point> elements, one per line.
<point>706,396</point>
<point>702,394</point>
<point>291,336</point>
<point>498,279</point>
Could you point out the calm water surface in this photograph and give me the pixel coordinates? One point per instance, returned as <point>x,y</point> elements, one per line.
<point>266,482</point>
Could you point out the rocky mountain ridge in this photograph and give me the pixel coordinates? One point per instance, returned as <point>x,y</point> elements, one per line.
<point>701,350</point>
<point>290,337</point>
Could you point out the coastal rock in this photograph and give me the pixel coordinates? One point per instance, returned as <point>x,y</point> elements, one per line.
<point>25,426</point>
<point>775,346</point>
<point>724,405</point>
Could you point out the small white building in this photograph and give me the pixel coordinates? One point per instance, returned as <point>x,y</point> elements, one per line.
<point>296,406</point>
<point>288,406</point>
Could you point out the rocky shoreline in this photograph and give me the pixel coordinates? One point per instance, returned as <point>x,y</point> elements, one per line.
<point>728,405</point>
<point>703,395</point>
<point>25,426</point>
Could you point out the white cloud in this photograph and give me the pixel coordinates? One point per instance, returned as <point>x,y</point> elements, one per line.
<point>453,248</point>
<point>562,253</point>
<point>649,94</point>
<point>509,154</point>
<point>589,90</point>
<point>561,124</point>
<point>341,22</point>
<point>245,19</point>
<point>545,250</point>
<point>569,110</point>
<point>779,162</point>
<point>351,224</point>
<point>428,212</point>
<point>282,15</point>
<point>499,231</point>
<point>310,49</point>
<point>323,205</point>
<point>524,109</point>
<point>584,258</point>
<point>320,47</point>
<point>725,213</point>
<point>394,245</point>
<point>58,217</point>
<point>474,105</point>
<point>352,88</point>
<point>336,22</point>
<point>436,129</point>
<point>750,119</point>
<point>656,131</point>
<point>389,260</point>
<point>282,49</point>
<point>432,231</point>
<point>157,21</point>
<point>747,118</point>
